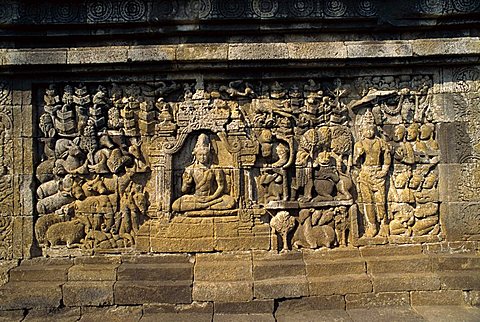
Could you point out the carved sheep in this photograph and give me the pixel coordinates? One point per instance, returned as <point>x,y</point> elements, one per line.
<point>70,232</point>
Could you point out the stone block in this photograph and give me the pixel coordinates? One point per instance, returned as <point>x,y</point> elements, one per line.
<point>454,280</point>
<point>371,300</point>
<point>317,267</point>
<point>279,275</point>
<point>391,250</point>
<point>258,51</point>
<point>12,316</point>
<point>202,312</point>
<point>378,49</point>
<point>312,303</point>
<point>151,53</point>
<point>28,295</point>
<point>448,313</point>
<point>446,46</point>
<point>98,260</point>
<point>5,267</point>
<point>221,291</point>
<point>399,264</point>
<point>243,318</point>
<point>112,314</point>
<point>41,270</point>
<point>456,262</point>
<point>35,56</point>
<point>88,293</point>
<point>459,220</point>
<point>155,272</point>
<point>60,315</point>
<point>142,292</point>
<point>251,307</point>
<point>385,314</point>
<point>267,265</point>
<point>97,55</point>
<point>340,284</point>
<point>442,297</point>
<point>473,298</point>
<point>405,282</point>
<point>223,267</point>
<point>283,287</point>
<point>189,52</point>
<point>314,316</point>
<point>317,50</point>
<point>331,254</point>
<point>92,272</point>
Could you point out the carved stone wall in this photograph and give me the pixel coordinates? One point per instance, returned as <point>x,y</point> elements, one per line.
<point>181,166</point>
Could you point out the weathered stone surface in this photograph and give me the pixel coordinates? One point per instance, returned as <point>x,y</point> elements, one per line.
<point>223,277</point>
<point>41,270</point>
<point>27,295</point>
<point>312,303</point>
<point>35,57</point>
<point>151,53</point>
<point>372,300</point>
<point>399,264</point>
<point>251,307</point>
<point>316,50</point>
<point>430,47</point>
<point>112,314</point>
<point>145,292</point>
<point>175,267</point>
<point>5,267</point>
<point>88,293</point>
<point>383,49</point>
<point>61,315</point>
<point>385,314</point>
<point>279,275</point>
<point>315,316</point>
<point>202,52</point>
<point>93,272</point>
<point>256,51</point>
<point>468,280</point>
<point>244,318</point>
<point>405,282</point>
<point>12,316</point>
<point>448,313</point>
<point>340,284</point>
<point>188,312</point>
<point>442,297</point>
<point>105,55</point>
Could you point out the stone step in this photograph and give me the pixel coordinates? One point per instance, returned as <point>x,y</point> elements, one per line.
<point>394,282</point>
<point>281,287</point>
<point>399,264</point>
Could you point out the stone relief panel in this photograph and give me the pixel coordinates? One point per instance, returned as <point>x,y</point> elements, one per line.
<point>6,172</point>
<point>205,166</point>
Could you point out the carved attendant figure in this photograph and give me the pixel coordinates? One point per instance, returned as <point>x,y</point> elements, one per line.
<point>373,155</point>
<point>206,182</point>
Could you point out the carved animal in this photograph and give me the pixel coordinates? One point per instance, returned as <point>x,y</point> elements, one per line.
<point>48,188</point>
<point>314,229</point>
<point>53,202</point>
<point>43,223</point>
<point>45,170</point>
<point>70,232</point>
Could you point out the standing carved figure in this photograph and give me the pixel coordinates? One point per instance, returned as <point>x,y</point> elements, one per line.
<point>373,156</point>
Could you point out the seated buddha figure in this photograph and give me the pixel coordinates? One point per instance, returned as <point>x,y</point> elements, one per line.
<point>203,184</point>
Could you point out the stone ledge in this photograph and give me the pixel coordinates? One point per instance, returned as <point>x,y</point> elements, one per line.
<point>210,52</point>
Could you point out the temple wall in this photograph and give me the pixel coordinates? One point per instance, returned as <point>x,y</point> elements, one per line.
<point>241,133</point>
